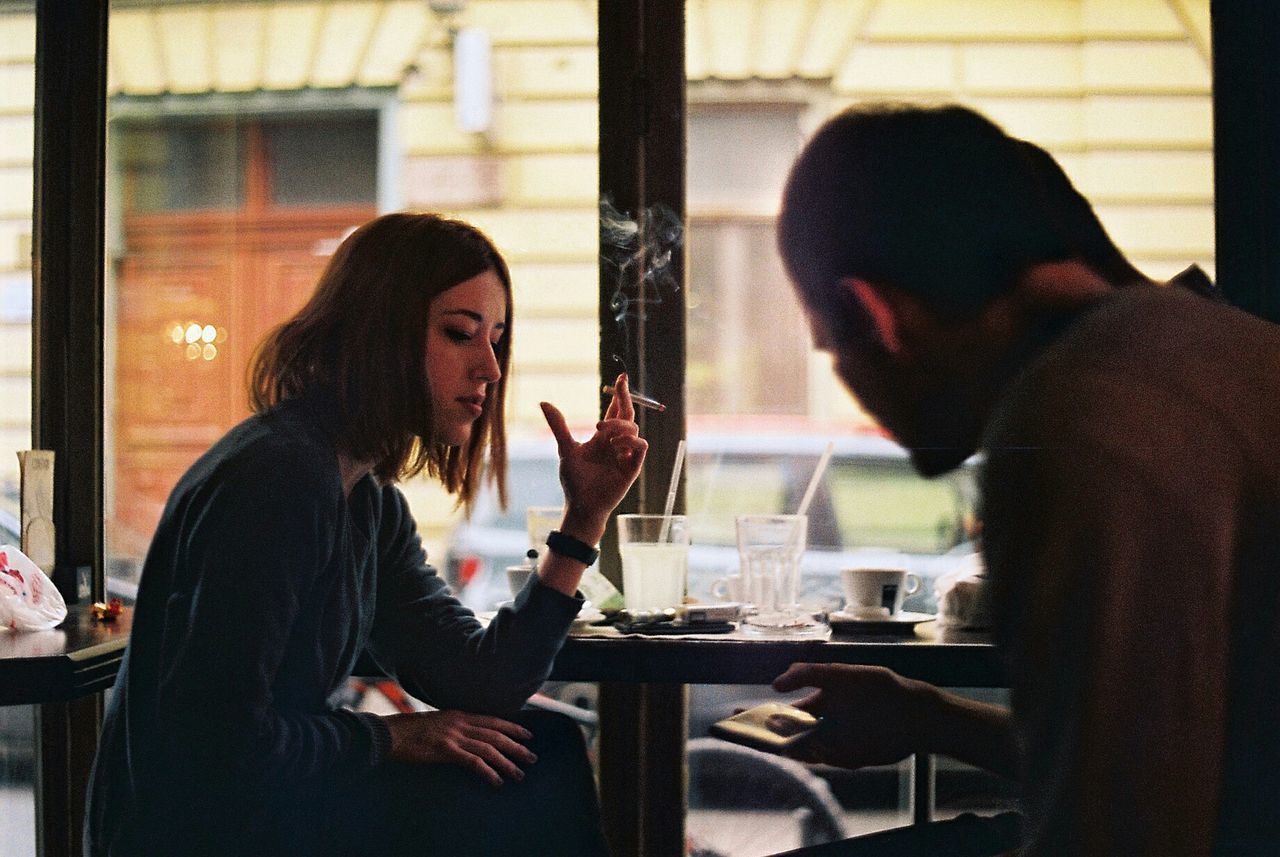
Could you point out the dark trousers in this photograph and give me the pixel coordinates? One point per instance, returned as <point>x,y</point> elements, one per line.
<point>965,835</point>
<point>424,810</point>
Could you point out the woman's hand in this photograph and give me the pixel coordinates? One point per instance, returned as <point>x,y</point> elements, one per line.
<point>870,715</point>
<point>597,474</point>
<point>490,746</point>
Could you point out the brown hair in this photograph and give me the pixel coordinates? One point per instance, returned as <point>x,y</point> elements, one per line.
<point>362,338</point>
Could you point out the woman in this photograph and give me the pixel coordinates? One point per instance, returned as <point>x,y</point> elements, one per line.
<point>286,552</point>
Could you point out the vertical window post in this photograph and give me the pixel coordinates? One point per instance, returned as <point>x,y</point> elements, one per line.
<point>1246,132</point>
<point>66,364</point>
<point>642,158</point>
<point>67,276</point>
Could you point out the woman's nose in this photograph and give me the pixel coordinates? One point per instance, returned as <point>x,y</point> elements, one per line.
<point>488,368</point>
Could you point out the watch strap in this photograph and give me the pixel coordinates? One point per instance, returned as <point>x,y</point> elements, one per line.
<point>570,548</point>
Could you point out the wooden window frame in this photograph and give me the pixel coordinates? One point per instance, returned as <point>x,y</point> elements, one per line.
<point>641,161</point>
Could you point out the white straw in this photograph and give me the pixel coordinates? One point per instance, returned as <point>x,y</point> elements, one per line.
<point>671,493</point>
<point>817,477</point>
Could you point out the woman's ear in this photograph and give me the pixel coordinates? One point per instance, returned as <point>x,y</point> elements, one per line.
<point>883,308</point>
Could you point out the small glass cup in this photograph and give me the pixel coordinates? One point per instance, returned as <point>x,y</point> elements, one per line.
<point>655,560</point>
<point>770,549</point>
<point>539,521</point>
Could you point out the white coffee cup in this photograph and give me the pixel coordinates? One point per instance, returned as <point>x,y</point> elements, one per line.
<point>518,576</point>
<point>727,588</point>
<point>872,593</point>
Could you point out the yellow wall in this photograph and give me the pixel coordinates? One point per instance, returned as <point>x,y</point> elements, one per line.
<point>1119,90</point>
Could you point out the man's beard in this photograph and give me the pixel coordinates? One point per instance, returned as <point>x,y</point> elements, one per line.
<point>938,428</point>
<point>947,432</point>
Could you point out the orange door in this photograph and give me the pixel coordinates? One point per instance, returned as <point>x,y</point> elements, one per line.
<point>196,295</point>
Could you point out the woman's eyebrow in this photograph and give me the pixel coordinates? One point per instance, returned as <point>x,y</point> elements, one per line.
<point>475,316</point>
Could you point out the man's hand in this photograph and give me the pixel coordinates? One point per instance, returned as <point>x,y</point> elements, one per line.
<point>873,716</point>
<point>490,746</point>
<point>870,715</point>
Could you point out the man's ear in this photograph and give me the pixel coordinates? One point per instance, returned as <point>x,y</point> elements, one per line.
<point>880,305</point>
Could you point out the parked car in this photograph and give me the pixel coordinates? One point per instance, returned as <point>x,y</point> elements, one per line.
<point>870,497</point>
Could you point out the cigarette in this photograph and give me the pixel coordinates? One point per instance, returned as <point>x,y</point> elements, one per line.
<point>642,401</point>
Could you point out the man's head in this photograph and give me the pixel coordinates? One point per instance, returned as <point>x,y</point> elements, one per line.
<point>905,231</point>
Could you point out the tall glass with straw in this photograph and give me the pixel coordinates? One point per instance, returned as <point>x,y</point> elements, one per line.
<point>655,553</point>
<point>770,549</point>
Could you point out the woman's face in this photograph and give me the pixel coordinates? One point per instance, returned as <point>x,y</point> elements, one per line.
<point>464,326</point>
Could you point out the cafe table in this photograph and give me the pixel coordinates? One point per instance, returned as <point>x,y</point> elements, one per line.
<point>78,658</point>
<point>62,671</point>
<point>643,718</point>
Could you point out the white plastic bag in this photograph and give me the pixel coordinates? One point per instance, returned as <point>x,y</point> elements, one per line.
<point>964,595</point>
<point>28,599</point>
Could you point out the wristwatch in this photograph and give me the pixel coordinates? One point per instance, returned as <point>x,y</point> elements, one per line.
<point>570,548</point>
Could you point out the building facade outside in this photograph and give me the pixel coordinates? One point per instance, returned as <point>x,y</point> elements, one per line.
<point>247,137</point>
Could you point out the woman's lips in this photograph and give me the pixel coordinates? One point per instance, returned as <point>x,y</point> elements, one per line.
<point>473,404</point>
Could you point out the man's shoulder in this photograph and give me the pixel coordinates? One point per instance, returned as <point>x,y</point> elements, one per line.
<point>1142,346</point>
<point>1156,379</point>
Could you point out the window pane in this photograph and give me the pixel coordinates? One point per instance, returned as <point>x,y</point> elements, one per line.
<point>1127,114</point>
<point>182,166</point>
<point>734,271</point>
<point>17,106</point>
<point>339,112</point>
<point>236,185</point>
<point>337,166</point>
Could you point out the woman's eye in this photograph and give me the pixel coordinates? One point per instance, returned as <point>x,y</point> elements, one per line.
<point>457,335</point>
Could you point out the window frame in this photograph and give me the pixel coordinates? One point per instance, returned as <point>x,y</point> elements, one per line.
<point>642,98</point>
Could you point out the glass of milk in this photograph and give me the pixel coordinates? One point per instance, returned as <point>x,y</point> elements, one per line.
<point>655,560</point>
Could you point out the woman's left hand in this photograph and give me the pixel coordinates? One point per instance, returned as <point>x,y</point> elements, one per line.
<point>597,474</point>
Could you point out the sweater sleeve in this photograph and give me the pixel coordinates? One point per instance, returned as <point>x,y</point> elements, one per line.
<point>1109,531</point>
<point>253,542</point>
<point>435,646</point>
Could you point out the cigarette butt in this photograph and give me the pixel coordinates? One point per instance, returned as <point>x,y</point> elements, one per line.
<point>642,401</point>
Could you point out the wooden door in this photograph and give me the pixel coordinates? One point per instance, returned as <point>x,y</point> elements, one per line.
<point>196,292</point>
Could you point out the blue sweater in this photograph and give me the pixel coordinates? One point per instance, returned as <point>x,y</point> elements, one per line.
<point>262,586</point>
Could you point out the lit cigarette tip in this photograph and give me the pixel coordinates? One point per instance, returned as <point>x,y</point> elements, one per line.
<point>642,401</point>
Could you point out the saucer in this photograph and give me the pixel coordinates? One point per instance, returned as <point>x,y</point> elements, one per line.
<point>903,623</point>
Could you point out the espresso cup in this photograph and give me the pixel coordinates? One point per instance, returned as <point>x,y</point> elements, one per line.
<point>876,593</point>
<point>518,576</point>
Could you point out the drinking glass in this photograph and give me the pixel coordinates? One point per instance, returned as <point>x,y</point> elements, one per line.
<point>770,549</point>
<point>539,521</point>
<point>655,562</point>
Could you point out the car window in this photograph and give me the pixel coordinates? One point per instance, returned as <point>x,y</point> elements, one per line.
<point>719,487</point>
<point>884,503</point>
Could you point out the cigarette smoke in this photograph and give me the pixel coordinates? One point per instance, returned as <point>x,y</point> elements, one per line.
<point>649,244</point>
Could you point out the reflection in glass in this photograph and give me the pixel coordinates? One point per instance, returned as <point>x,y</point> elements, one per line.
<point>17,103</point>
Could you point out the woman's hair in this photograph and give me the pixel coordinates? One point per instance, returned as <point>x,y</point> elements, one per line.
<point>938,201</point>
<point>362,338</point>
